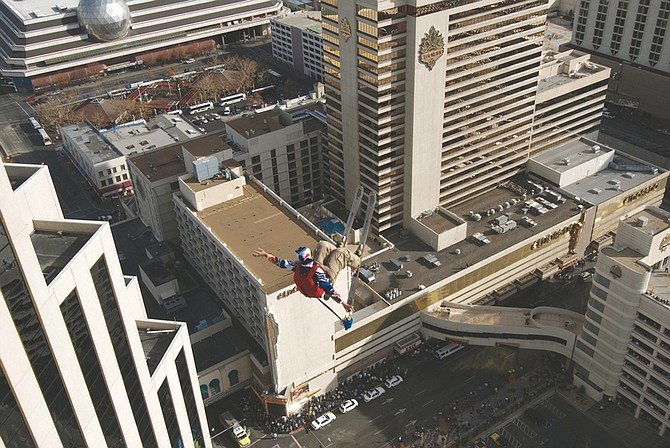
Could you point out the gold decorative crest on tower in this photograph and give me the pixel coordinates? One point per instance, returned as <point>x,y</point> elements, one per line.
<point>345,29</point>
<point>665,242</point>
<point>431,48</point>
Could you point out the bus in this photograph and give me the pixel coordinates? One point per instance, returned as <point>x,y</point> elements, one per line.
<point>448,350</point>
<point>202,107</point>
<point>35,124</point>
<point>232,99</point>
<point>46,140</point>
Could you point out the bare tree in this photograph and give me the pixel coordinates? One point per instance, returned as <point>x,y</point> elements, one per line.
<point>248,69</point>
<point>99,120</point>
<point>206,89</point>
<point>57,111</point>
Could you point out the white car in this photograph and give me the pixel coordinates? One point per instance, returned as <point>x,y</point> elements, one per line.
<point>189,61</point>
<point>393,381</point>
<point>373,393</point>
<point>215,116</point>
<point>348,405</point>
<point>609,115</point>
<point>324,420</point>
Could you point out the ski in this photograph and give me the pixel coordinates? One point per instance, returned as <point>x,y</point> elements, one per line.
<point>358,198</point>
<point>348,320</point>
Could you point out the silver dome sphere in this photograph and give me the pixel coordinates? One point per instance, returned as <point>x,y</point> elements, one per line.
<point>105,20</point>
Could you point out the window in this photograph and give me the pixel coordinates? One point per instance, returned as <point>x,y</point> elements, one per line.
<point>189,398</point>
<point>114,170</point>
<point>215,386</point>
<point>601,293</point>
<point>596,304</point>
<point>233,377</point>
<point>604,281</point>
<point>89,363</point>
<point>103,182</point>
<point>118,178</point>
<point>585,348</point>
<point>109,171</point>
<point>169,414</point>
<point>204,391</point>
<point>125,177</point>
<point>115,328</point>
<point>29,327</point>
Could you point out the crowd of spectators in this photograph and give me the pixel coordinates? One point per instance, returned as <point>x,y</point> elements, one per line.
<point>353,387</point>
<point>480,406</point>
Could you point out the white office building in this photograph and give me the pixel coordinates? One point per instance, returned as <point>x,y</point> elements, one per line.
<point>623,351</point>
<point>296,41</point>
<point>80,362</point>
<point>40,39</point>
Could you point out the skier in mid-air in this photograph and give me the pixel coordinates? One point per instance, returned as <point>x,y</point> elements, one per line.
<point>314,276</point>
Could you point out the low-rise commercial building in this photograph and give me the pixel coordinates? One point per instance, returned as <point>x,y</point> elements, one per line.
<point>101,155</point>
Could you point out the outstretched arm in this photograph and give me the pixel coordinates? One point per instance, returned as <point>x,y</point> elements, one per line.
<point>284,264</point>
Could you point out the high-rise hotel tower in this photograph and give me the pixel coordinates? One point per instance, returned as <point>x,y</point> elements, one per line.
<point>429,102</point>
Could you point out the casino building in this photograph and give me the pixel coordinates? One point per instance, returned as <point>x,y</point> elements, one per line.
<point>40,39</point>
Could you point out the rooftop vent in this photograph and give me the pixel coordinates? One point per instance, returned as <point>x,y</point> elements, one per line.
<point>566,161</point>
<point>628,175</point>
<point>595,190</point>
<point>642,221</point>
<point>595,149</point>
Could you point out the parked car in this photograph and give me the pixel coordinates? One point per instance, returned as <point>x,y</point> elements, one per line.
<point>393,381</point>
<point>348,405</point>
<point>609,115</point>
<point>215,116</point>
<point>373,393</point>
<point>189,61</point>
<point>324,420</point>
<point>664,131</point>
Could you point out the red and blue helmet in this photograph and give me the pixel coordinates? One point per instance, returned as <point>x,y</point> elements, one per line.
<point>304,255</point>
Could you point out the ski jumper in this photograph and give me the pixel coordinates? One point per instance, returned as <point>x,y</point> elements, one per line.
<point>316,281</point>
<point>307,282</point>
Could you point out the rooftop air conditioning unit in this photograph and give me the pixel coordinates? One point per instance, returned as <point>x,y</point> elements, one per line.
<point>642,221</point>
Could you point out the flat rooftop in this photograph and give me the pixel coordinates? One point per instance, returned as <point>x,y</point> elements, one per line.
<point>584,71</point>
<point>155,344</point>
<point>91,143</point>
<point>54,250</point>
<point>578,151</point>
<point>507,317</point>
<point>468,252</point>
<point>256,219</point>
<point>220,346</point>
<point>257,124</point>
<point>168,162</point>
<point>305,20</point>
<point>33,9</point>
<point>605,184</point>
<point>137,137</point>
<point>655,222</point>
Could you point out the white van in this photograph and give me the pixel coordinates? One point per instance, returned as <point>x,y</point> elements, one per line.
<point>448,350</point>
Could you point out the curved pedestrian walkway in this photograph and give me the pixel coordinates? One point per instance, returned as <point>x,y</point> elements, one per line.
<point>541,328</point>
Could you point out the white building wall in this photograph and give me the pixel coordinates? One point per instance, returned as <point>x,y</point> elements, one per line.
<point>19,214</point>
